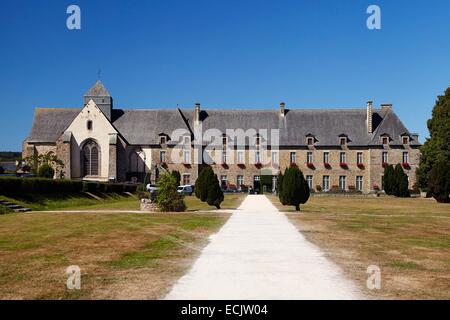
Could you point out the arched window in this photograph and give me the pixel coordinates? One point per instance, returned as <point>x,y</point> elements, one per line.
<point>91,155</point>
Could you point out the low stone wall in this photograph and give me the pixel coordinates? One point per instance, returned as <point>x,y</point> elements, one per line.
<point>148,206</point>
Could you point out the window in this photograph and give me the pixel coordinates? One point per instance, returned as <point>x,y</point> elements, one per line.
<point>186,179</point>
<point>405,140</point>
<point>309,180</point>
<point>342,157</point>
<point>359,183</point>
<point>343,141</point>
<point>384,157</point>
<point>310,141</point>
<point>257,157</point>
<point>385,140</point>
<point>293,157</point>
<point>359,158</point>
<point>309,157</point>
<point>91,159</point>
<point>224,141</point>
<point>326,183</point>
<point>224,157</point>
<point>326,157</point>
<point>186,140</point>
<point>257,141</point>
<point>162,140</point>
<point>89,124</point>
<point>186,156</point>
<point>274,157</point>
<point>223,181</point>
<point>405,157</point>
<point>240,157</point>
<point>342,182</point>
<point>162,156</point>
<point>240,181</point>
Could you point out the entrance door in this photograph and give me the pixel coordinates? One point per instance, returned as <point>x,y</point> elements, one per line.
<point>257,183</point>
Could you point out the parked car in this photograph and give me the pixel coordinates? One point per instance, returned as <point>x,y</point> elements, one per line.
<point>186,190</point>
<point>151,188</point>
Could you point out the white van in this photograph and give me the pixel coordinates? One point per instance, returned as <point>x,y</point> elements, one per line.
<point>186,190</point>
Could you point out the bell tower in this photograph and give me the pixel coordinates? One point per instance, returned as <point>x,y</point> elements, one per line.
<point>101,97</point>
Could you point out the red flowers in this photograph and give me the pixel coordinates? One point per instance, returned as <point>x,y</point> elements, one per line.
<point>344,165</point>
<point>361,166</point>
<point>327,165</point>
<point>406,165</point>
<point>258,165</point>
<point>310,165</point>
<point>385,164</point>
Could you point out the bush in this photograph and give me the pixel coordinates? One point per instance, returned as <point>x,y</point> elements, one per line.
<point>46,171</point>
<point>401,182</point>
<point>439,182</point>
<point>215,194</point>
<point>2,170</point>
<point>177,176</point>
<point>295,188</point>
<point>168,199</point>
<point>201,184</point>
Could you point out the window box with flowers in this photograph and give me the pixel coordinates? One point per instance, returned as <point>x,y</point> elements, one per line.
<point>258,165</point>
<point>241,165</point>
<point>327,165</point>
<point>225,165</point>
<point>361,166</point>
<point>164,164</point>
<point>385,164</point>
<point>293,164</point>
<point>187,164</point>
<point>310,165</point>
<point>344,165</point>
<point>406,166</point>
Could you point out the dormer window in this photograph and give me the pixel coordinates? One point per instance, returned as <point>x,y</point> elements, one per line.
<point>385,140</point>
<point>310,141</point>
<point>89,125</point>
<point>257,141</point>
<point>343,141</point>
<point>405,140</point>
<point>186,140</point>
<point>162,139</point>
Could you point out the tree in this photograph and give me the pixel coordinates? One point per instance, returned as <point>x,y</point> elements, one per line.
<point>201,187</point>
<point>280,188</point>
<point>35,161</point>
<point>399,182</point>
<point>439,182</point>
<point>295,189</point>
<point>46,171</point>
<point>215,194</point>
<point>437,147</point>
<point>2,170</point>
<point>168,199</point>
<point>147,177</point>
<point>388,180</point>
<point>176,174</point>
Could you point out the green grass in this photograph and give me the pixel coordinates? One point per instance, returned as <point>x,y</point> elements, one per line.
<point>404,265</point>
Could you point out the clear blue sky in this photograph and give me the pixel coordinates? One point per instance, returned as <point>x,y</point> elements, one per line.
<point>233,53</point>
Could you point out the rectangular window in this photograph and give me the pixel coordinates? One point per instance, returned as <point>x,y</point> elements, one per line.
<point>343,141</point>
<point>405,140</point>
<point>186,140</point>
<point>384,157</point>
<point>257,141</point>
<point>186,179</point>
<point>342,157</point>
<point>224,157</point>
<point>309,180</point>
<point>326,157</point>
<point>162,156</point>
<point>240,181</point>
<point>223,181</point>
<point>405,157</point>
<point>310,141</point>
<point>326,183</point>
<point>385,140</point>
<point>274,157</point>
<point>293,157</point>
<point>359,183</point>
<point>359,158</point>
<point>257,157</point>
<point>309,157</point>
<point>240,157</point>
<point>342,182</point>
<point>186,156</point>
<point>162,140</point>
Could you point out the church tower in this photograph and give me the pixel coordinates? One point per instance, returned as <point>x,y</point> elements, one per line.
<point>101,97</point>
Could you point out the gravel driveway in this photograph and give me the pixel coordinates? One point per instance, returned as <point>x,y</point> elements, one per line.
<point>259,254</point>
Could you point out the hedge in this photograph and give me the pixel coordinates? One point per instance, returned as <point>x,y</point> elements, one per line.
<point>16,186</point>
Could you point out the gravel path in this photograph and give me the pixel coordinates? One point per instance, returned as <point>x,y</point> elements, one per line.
<point>259,254</point>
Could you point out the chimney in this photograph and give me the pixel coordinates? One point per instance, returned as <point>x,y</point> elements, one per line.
<point>282,108</point>
<point>369,117</point>
<point>197,113</point>
<point>386,106</point>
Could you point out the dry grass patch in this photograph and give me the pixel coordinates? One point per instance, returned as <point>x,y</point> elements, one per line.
<point>409,239</point>
<point>121,256</point>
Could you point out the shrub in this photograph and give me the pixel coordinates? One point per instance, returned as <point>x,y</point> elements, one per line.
<point>295,188</point>
<point>439,182</point>
<point>46,171</point>
<point>401,182</point>
<point>215,194</point>
<point>388,180</point>
<point>201,187</point>
<point>168,200</point>
<point>2,170</point>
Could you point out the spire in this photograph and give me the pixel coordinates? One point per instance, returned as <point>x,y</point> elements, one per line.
<point>97,90</point>
<point>101,97</point>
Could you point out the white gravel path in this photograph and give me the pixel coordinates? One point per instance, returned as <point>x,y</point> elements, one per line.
<point>259,254</point>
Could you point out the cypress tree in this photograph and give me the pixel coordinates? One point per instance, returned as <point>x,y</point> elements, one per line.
<point>176,174</point>
<point>215,194</point>
<point>280,188</point>
<point>201,187</point>
<point>295,188</point>
<point>400,182</point>
<point>439,182</point>
<point>388,179</point>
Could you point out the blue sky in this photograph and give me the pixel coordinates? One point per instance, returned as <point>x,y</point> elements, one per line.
<point>233,53</point>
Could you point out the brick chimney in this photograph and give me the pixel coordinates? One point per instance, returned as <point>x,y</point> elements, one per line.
<point>282,109</point>
<point>369,117</point>
<point>386,106</point>
<point>197,113</point>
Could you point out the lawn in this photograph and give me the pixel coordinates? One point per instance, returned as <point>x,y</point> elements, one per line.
<point>409,239</point>
<point>231,201</point>
<point>121,256</point>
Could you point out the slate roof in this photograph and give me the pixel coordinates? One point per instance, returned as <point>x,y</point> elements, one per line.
<point>143,127</point>
<point>97,90</point>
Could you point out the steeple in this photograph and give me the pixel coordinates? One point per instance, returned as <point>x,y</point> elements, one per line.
<point>101,97</point>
